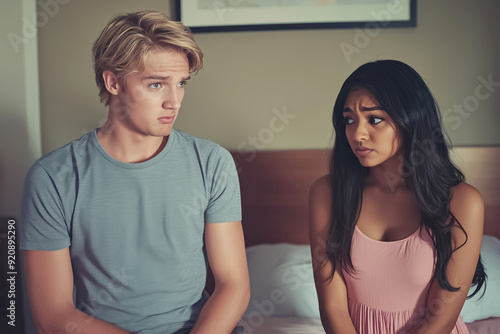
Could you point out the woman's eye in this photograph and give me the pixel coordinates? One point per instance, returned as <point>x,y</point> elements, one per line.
<point>375,120</point>
<point>348,120</point>
<point>155,85</point>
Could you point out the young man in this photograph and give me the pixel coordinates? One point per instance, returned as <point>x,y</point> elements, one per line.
<point>130,213</point>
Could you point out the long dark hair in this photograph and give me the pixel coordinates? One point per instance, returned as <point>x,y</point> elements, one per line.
<point>427,168</point>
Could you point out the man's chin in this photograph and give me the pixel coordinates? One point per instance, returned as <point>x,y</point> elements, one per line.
<point>162,132</point>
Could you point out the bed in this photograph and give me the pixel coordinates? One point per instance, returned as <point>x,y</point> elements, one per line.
<point>274,187</point>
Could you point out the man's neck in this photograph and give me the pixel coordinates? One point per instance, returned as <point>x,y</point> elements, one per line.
<point>124,147</point>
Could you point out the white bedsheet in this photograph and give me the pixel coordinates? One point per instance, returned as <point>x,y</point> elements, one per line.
<point>310,325</point>
<point>282,325</point>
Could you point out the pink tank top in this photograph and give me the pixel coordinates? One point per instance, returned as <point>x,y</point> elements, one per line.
<point>388,292</point>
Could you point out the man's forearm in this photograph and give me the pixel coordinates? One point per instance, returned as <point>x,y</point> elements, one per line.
<point>223,309</point>
<point>73,320</point>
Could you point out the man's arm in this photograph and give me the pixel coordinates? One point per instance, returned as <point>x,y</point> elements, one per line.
<point>49,279</point>
<point>226,255</point>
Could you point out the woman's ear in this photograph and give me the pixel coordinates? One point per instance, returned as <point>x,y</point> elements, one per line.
<point>111,81</point>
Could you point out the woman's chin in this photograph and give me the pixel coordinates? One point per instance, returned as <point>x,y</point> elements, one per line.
<point>367,162</point>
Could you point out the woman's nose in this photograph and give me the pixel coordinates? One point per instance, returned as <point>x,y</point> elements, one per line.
<point>360,133</point>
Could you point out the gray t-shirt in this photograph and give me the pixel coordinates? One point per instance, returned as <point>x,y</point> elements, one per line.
<point>135,230</point>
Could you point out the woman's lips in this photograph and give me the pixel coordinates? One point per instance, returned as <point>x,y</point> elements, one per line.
<point>363,151</point>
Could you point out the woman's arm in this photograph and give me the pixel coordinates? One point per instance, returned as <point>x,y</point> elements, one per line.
<point>443,306</point>
<point>332,294</point>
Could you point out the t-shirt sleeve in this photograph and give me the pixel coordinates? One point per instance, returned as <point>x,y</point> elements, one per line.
<point>43,223</point>
<point>224,203</point>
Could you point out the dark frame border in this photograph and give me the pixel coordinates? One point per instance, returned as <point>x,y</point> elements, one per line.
<point>411,23</point>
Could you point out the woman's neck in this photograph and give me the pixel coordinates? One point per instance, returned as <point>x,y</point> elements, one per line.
<point>388,175</point>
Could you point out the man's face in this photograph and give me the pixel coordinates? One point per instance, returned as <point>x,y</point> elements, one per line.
<point>149,101</point>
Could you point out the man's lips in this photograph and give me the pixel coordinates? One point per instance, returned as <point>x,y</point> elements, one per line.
<point>166,119</point>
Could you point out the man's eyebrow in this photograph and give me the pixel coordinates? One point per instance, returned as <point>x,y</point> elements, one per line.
<point>163,78</point>
<point>156,77</point>
<point>347,109</point>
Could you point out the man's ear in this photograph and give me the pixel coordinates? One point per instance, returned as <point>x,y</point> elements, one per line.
<point>112,82</point>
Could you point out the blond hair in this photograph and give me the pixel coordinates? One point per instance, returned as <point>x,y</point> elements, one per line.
<point>127,39</point>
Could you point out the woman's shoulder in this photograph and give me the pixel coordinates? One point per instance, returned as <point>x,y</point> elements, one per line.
<point>321,187</point>
<point>465,196</point>
<point>467,206</point>
<point>320,201</point>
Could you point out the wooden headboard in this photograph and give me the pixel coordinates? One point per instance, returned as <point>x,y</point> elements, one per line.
<point>275,189</point>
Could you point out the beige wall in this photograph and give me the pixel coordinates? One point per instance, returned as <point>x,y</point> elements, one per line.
<point>20,143</point>
<point>247,75</point>
<point>19,102</point>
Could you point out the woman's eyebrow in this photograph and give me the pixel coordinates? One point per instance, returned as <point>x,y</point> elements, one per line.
<point>371,108</point>
<point>364,109</point>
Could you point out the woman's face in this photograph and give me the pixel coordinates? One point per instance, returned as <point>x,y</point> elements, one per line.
<point>372,134</point>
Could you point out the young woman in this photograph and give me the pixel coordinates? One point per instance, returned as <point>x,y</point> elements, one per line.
<point>395,231</point>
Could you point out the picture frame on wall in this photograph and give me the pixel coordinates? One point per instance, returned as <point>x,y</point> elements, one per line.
<point>245,15</point>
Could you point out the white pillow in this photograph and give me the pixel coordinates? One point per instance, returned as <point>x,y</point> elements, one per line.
<point>489,305</point>
<point>281,281</point>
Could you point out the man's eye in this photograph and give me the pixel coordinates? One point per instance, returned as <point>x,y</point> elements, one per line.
<point>348,120</point>
<point>182,83</point>
<point>375,120</point>
<point>155,85</point>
